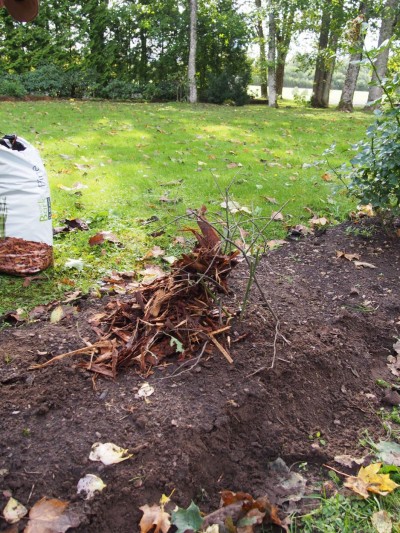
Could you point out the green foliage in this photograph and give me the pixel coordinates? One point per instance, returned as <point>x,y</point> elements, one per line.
<point>12,86</point>
<point>46,80</point>
<point>187,519</point>
<point>224,88</point>
<point>121,90</point>
<point>375,173</point>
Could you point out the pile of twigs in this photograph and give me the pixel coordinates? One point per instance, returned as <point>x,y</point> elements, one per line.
<point>174,316</point>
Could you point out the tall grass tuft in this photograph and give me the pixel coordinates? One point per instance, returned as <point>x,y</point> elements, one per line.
<point>3,217</point>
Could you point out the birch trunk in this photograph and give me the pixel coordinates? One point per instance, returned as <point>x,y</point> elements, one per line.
<point>263,54</point>
<point>192,52</point>
<point>272,60</point>
<point>386,31</point>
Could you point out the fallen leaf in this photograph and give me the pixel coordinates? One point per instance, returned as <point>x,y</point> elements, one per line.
<point>145,390</point>
<point>394,365</point>
<point>150,273</point>
<point>108,453</point>
<point>156,251</point>
<point>276,243</point>
<point>363,264</point>
<point>103,236</point>
<point>170,259</point>
<point>348,460</point>
<point>76,223</point>
<point>277,216</point>
<point>389,452</point>
<point>235,207</point>
<point>57,314</point>
<point>14,511</point>
<point>232,165</point>
<point>349,257</point>
<point>368,480</point>
<point>382,522</point>
<point>50,516</point>
<point>154,516</point>
<point>89,485</point>
<point>212,529</point>
<point>322,221</point>
<point>366,210</point>
<point>179,240</point>
<point>187,519</point>
<point>78,264</point>
<point>270,200</point>
<point>326,177</point>
<point>357,485</point>
<point>396,347</point>
<point>76,187</point>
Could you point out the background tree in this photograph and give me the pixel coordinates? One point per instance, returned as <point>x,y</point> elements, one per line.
<point>272,94</point>
<point>332,20</point>
<point>356,36</point>
<point>192,52</point>
<point>390,17</point>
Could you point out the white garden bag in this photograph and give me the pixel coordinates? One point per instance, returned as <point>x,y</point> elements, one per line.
<point>26,236</point>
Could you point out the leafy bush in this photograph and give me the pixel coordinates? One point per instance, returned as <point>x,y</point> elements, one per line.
<point>80,83</point>
<point>46,80</point>
<point>375,173</point>
<point>227,88</point>
<point>121,90</point>
<point>12,86</point>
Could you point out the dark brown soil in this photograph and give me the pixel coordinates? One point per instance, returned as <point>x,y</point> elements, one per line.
<point>217,426</point>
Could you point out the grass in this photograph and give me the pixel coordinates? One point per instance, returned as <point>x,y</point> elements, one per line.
<point>140,160</point>
<point>349,515</point>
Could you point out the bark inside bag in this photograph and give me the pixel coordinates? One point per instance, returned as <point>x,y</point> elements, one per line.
<point>26,236</point>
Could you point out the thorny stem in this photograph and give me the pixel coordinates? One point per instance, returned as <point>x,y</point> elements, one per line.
<point>249,283</point>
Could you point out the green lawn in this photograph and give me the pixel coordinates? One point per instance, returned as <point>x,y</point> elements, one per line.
<point>131,158</point>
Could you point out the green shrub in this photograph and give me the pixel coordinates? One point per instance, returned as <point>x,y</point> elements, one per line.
<point>47,80</point>
<point>120,90</point>
<point>375,173</point>
<point>227,88</point>
<point>12,86</point>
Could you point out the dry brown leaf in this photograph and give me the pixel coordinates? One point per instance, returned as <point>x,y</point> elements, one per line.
<point>276,243</point>
<point>362,264</point>
<point>349,257</point>
<point>156,251</point>
<point>277,216</point>
<point>270,200</point>
<point>382,522</point>
<point>103,236</point>
<point>154,516</point>
<point>50,516</point>
<point>326,177</point>
<point>322,221</point>
<point>357,485</point>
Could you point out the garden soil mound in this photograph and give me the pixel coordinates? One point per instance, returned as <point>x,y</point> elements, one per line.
<point>219,425</point>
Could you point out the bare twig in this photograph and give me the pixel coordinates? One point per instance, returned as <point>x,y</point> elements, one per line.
<point>196,362</point>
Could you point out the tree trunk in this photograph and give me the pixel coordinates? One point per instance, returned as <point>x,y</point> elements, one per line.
<point>283,38</point>
<point>263,54</point>
<point>329,69</point>
<point>272,60</point>
<point>280,73</point>
<point>353,70</point>
<point>350,82</point>
<point>380,65</point>
<point>192,52</point>
<point>320,76</point>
